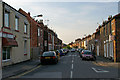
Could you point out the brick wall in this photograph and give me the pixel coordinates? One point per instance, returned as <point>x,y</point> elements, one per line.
<point>118,38</point>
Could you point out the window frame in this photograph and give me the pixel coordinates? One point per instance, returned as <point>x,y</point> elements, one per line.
<point>38,30</point>
<point>104,31</point>
<point>6,53</point>
<point>17,23</point>
<point>8,23</point>
<point>25,28</point>
<point>25,47</point>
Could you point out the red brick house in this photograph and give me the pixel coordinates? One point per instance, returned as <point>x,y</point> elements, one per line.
<point>45,39</point>
<point>50,39</point>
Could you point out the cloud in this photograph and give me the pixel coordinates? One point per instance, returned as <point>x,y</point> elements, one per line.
<point>69,20</point>
<point>22,1</point>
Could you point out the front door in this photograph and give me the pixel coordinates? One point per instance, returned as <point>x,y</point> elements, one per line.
<point>104,51</point>
<point>111,49</point>
<point>107,49</point>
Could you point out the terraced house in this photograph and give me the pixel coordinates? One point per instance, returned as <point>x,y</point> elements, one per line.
<point>110,38</point>
<point>36,35</point>
<point>14,34</point>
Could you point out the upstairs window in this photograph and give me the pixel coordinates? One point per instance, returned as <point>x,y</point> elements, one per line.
<point>16,23</point>
<point>104,31</point>
<point>41,33</point>
<point>6,16</point>
<point>38,31</point>
<point>25,28</point>
<point>110,28</point>
<point>107,29</point>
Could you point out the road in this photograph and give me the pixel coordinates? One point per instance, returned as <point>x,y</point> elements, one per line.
<point>71,66</point>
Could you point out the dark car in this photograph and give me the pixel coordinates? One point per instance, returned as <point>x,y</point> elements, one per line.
<point>73,50</point>
<point>61,52</point>
<point>65,51</point>
<point>49,57</point>
<point>88,55</point>
<point>80,52</point>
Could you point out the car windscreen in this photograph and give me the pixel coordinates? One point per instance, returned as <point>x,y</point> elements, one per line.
<point>60,51</point>
<point>48,54</point>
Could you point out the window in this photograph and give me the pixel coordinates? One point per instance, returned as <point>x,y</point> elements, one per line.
<point>16,23</point>
<point>110,28</point>
<point>25,28</point>
<point>6,19</point>
<point>41,33</point>
<point>48,36</point>
<point>6,54</point>
<point>38,31</point>
<point>104,31</point>
<point>25,47</point>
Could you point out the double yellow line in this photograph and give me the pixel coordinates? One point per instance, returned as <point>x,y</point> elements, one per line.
<point>18,76</point>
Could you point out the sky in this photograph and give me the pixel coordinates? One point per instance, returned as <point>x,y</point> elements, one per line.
<point>70,19</point>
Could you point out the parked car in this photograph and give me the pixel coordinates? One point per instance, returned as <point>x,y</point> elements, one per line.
<point>61,52</point>
<point>73,50</point>
<point>65,51</point>
<point>49,57</point>
<point>80,51</point>
<point>88,55</point>
<point>58,54</point>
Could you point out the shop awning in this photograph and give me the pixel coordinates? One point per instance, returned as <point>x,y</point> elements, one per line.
<point>9,42</point>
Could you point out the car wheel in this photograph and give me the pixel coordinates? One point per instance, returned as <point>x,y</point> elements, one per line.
<point>82,58</point>
<point>94,59</point>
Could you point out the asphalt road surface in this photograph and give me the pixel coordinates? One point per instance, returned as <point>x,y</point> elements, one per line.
<point>71,66</point>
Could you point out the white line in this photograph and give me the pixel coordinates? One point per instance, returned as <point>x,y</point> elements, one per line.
<point>99,71</point>
<point>71,74</point>
<point>72,61</point>
<point>72,66</point>
<point>94,69</point>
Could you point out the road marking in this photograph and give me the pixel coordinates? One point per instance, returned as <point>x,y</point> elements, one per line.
<point>99,70</point>
<point>72,66</point>
<point>26,72</point>
<point>71,74</point>
<point>72,61</point>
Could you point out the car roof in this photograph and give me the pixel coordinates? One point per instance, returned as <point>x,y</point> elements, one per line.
<point>49,51</point>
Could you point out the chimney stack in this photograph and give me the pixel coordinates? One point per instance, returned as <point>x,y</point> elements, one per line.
<point>39,18</point>
<point>110,17</point>
<point>29,13</point>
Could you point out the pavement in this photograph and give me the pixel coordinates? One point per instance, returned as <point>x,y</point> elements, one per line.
<point>19,68</point>
<point>101,61</point>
